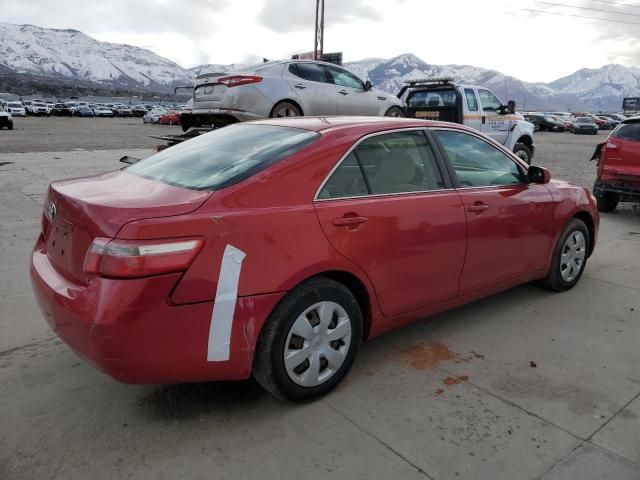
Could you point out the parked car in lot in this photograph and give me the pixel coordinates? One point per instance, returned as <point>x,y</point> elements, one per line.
<point>477,107</point>
<point>154,115</point>
<point>289,88</point>
<point>610,122</point>
<point>362,224</point>
<point>619,166</point>
<point>122,111</point>
<point>16,109</point>
<point>566,122</point>
<point>84,111</point>
<point>545,123</point>
<point>103,112</point>
<point>585,125</point>
<point>61,110</point>
<point>170,118</point>
<point>139,111</point>
<point>38,109</point>
<point>5,118</point>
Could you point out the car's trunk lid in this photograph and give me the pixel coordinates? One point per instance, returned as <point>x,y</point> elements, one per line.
<point>78,210</point>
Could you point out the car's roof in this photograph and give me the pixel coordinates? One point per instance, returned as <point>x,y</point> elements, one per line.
<point>319,124</point>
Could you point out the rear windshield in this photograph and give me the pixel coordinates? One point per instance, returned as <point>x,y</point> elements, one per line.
<point>627,131</point>
<point>223,157</point>
<point>438,98</point>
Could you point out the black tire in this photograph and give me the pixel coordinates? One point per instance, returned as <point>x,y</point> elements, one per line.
<point>394,112</point>
<point>268,366</point>
<point>291,109</point>
<point>607,201</point>
<point>10,126</point>
<point>523,152</point>
<point>553,280</point>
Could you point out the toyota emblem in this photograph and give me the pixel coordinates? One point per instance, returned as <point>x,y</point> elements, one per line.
<point>52,211</point>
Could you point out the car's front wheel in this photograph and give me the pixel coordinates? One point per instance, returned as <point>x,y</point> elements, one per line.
<point>394,112</point>
<point>285,109</point>
<point>309,342</point>
<point>569,257</point>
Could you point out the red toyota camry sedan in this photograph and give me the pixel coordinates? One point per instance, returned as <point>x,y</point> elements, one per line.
<point>274,248</point>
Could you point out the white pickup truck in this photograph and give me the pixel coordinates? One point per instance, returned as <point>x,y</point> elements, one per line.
<point>477,107</point>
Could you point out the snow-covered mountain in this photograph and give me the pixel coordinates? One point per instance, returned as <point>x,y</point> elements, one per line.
<point>74,55</point>
<point>27,51</point>
<point>585,89</point>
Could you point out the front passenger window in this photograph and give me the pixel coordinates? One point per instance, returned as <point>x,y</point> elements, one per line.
<point>478,163</point>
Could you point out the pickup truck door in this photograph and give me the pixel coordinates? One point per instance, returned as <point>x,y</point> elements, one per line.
<point>494,124</point>
<point>471,109</point>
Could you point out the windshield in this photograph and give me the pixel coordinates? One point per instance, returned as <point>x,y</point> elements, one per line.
<point>584,120</point>
<point>223,157</point>
<point>15,105</point>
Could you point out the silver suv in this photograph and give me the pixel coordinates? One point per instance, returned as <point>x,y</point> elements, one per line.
<point>289,88</point>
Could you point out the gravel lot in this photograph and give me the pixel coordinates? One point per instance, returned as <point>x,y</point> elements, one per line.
<point>453,397</point>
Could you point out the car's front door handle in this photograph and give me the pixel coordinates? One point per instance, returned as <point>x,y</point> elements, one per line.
<point>349,221</point>
<point>477,207</point>
<point>343,92</point>
<point>300,86</point>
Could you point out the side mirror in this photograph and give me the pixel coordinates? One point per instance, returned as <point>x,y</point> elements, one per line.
<point>538,175</point>
<point>511,106</point>
<point>367,86</point>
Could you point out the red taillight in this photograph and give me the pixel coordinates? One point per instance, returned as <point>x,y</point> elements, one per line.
<point>140,258</point>
<point>235,80</point>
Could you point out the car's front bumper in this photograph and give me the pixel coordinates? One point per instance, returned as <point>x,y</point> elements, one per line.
<point>626,192</point>
<point>131,330</point>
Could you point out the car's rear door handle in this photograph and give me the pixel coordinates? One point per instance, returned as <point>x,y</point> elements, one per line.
<point>477,207</point>
<point>343,92</point>
<point>300,86</point>
<point>349,221</point>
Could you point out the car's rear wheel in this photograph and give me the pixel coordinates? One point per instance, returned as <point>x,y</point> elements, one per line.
<point>285,109</point>
<point>394,112</point>
<point>569,257</point>
<point>10,126</point>
<point>523,152</point>
<point>607,201</point>
<point>309,342</point>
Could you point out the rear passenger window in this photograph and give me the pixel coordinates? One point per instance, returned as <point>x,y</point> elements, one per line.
<point>476,162</point>
<point>627,131</point>
<point>399,162</point>
<point>309,71</point>
<point>346,181</point>
<point>472,102</point>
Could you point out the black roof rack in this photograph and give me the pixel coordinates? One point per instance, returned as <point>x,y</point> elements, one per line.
<point>416,81</point>
<point>424,81</point>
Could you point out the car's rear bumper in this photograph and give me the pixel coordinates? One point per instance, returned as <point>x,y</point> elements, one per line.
<point>218,117</point>
<point>130,330</point>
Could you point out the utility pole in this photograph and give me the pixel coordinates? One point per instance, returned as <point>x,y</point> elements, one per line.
<point>318,44</point>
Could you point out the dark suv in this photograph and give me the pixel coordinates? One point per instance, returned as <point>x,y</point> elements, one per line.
<point>61,110</point>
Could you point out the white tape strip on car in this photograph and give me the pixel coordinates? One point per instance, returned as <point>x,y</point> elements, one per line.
<point>224,305</point>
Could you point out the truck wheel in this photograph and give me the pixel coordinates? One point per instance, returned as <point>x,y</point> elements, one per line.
<point>10,126</point>
<point>607,201</point>
<point>394,112</point>
<point>523,152</point>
